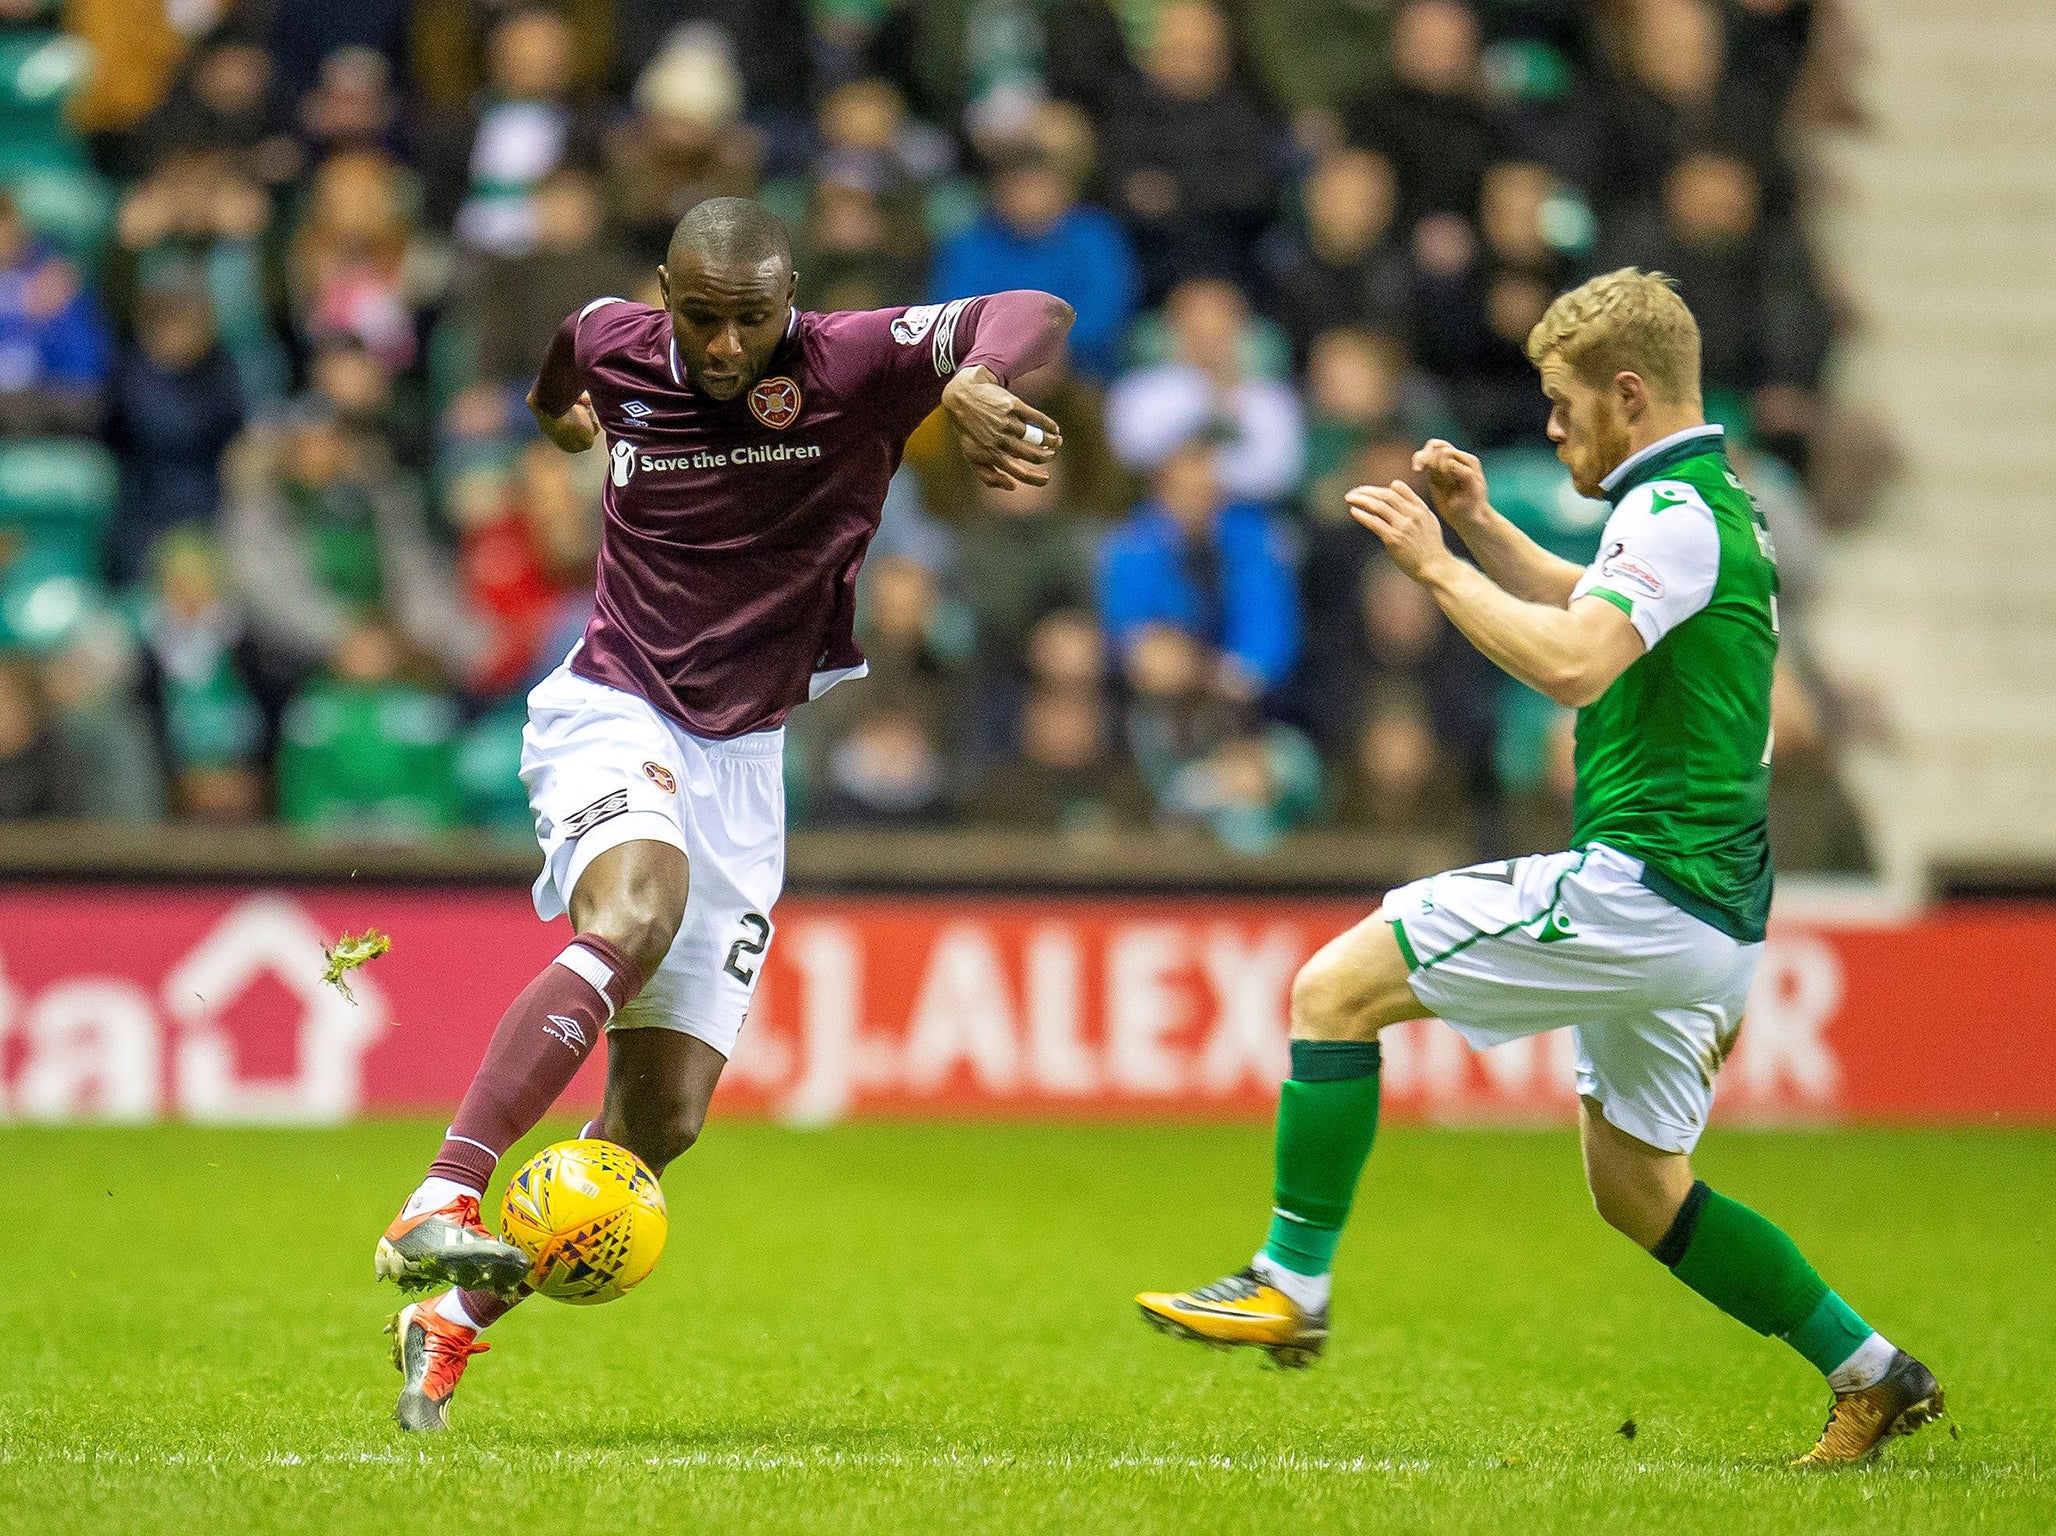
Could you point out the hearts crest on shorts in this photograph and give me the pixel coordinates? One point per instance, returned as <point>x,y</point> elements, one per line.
<point>776,403</point>
<point>661,776</point>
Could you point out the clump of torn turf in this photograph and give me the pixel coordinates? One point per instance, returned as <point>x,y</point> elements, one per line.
<point>349,952</point>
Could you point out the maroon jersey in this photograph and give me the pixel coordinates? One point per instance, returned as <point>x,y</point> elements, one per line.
<point>734,529</point>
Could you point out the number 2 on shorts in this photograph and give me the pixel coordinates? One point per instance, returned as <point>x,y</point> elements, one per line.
<point>748,945</point>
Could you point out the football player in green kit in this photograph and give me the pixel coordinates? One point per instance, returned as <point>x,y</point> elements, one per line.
<point>1644,936</point>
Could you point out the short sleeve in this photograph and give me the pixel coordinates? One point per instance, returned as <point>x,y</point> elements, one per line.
<point>579,325</point>
<point>1658,559</point>
<point>571,349</point>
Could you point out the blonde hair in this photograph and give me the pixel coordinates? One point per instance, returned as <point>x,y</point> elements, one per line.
<point>1626,320</point>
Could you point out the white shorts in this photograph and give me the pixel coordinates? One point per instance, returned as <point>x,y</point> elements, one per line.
<point>1574,940</point>
<point>604,768</point>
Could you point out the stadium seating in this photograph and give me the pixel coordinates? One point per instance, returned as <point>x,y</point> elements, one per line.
<point>343,290</point>
<point>38,72</point>
<point>43,164</point>
<point>1944,608</point>
<point>56,499</point>
<point>72,208</point>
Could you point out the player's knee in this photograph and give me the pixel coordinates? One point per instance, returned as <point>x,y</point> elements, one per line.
<point>659,1134</point>
<point>641,917</point>
<point>1614,1208</point>
<point>1326,1002</point>
<point>1636,1204</point>
<point>1312,1001</point>
<point>634,897</point>
<point>1351,989</point>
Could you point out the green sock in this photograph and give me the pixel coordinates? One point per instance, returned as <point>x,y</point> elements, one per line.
<point>1327,1119</point>
<point>1745,1265</point>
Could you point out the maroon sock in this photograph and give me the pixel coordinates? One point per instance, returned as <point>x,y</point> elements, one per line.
<point>486,1307</point>
<point>541,1042</point>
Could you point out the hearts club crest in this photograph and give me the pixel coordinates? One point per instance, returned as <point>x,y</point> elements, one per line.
<point>776,403</point>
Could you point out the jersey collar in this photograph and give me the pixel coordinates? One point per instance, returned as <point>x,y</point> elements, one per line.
<point>782,353</point>
<point>1663,454</point>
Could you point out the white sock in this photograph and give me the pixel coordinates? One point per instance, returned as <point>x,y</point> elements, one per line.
<point>1309,1293</point>
<point>1865,1368</point>
<point>434,1194</point>
<point>450,1307</point>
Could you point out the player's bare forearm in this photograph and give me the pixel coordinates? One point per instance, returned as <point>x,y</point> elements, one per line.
<point>557,399</point>
<point>1570,654</point>
<point>1456,482</point>
<point>574,429</point>
<point>1515,561</point>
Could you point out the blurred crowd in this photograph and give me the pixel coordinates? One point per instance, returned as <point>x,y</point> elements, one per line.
<point>277,539</point>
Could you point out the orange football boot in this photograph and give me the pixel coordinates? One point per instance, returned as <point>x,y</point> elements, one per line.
<point>431,1352</point>
<point>448,1246</point>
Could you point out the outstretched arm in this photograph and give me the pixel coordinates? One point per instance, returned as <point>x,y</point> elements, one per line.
<point>1524,568</point>
<point>1571,654</point>
<point>1005,439</point>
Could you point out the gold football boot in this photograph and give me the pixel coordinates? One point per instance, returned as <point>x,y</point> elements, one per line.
<point>1240,1310</point>
<point>1906,1397</point>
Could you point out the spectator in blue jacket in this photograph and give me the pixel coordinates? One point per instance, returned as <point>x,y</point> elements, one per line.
<point>1217,570</point>
<point>1037,234</point>
<point>54,347</point>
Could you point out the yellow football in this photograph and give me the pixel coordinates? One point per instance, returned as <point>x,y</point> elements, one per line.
<point>590,1217</point>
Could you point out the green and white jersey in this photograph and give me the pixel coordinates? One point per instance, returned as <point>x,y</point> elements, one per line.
<point>1674,759</point>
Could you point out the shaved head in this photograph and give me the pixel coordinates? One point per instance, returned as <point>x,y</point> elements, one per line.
<point>729,232</point>
<point>728,282</point>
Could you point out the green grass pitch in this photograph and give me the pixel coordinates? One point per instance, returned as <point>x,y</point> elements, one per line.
<point>905,1328</point>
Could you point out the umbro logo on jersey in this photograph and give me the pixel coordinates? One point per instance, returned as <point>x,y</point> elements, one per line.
<point>568,1030</point>
<point>580,822</point>
<point>635,408</point>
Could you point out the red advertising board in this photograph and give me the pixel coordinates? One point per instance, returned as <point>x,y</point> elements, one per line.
<point>143,1002</point>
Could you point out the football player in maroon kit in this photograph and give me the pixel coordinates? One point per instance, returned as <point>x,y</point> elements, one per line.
<point>749,445</point>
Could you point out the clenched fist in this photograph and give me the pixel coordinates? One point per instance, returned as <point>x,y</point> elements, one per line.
<point>1456,480</point>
